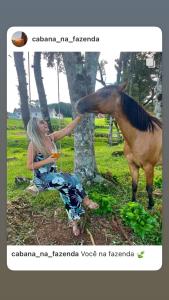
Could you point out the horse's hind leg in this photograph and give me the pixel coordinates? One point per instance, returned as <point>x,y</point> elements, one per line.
<point>134,170</point>
<point>149,173</point>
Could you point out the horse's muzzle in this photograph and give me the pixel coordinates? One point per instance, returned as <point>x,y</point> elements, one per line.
<point>84,106</point>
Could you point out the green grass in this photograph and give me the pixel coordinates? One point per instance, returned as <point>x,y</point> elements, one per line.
<point>108,165</point>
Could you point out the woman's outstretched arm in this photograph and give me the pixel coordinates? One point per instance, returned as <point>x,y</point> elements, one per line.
<point>57,135</point>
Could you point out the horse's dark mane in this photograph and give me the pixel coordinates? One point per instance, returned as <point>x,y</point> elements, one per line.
<point>136,114</point>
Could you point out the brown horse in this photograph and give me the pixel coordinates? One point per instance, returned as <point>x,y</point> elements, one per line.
<point>142,132</point>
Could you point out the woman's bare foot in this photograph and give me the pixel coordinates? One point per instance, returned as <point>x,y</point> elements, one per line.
<point>90,204</point>
<point>76,230</point>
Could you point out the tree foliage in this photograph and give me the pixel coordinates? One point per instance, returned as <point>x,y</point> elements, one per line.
<point>64,108</point>
<point>131,67</point>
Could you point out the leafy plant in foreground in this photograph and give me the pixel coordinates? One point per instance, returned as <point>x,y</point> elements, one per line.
<point>143,224</point>
<point>106,202</point>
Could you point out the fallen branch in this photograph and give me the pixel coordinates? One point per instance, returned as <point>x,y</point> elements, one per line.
<point>118,226</point>
<point>91,237</point>
<point>37,239</point>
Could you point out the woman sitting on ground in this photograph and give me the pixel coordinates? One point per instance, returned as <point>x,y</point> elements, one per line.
<point>47,177</point>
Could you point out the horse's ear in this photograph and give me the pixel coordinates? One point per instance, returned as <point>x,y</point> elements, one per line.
<point>122,87</point>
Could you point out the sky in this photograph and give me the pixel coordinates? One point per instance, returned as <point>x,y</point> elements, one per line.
<point>50,79</point>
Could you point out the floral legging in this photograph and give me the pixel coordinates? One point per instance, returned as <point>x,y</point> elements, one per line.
<point>69,186</point>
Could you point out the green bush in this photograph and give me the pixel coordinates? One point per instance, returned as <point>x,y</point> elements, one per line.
<point>106,203</point>
<point>158,181</point>
<point>143,224</point>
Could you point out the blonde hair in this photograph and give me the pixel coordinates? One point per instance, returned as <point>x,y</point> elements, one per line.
<point>35,135</point>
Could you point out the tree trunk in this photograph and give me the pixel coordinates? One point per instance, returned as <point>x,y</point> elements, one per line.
<point>120,62</point>
<point>40,89</point>
<point>112,120</point>
<point>118,131</point>
<point>22,87</point>
<point>158,98</point>
<point>81,77</point>
<point>110,134</point>
<point>131,71</point>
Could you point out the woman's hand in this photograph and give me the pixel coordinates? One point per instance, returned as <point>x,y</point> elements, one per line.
<point>50,160</point>
<point>57,135</point>
<point>77,120</point>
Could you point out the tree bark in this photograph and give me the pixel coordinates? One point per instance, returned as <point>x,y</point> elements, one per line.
<point>111,119</point>
<point>81,77</point>
<point>158,98</point>
<point>22,87</point>
<point>110,134</point>
<point>40,89</point>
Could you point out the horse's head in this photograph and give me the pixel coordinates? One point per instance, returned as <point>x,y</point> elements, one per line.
<point>102,101</point>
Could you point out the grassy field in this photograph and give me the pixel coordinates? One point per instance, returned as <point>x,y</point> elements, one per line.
<point>111,166</point>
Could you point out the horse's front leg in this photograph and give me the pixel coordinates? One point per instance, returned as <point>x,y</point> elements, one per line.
<point>149,173</point>
<point>134,170</point>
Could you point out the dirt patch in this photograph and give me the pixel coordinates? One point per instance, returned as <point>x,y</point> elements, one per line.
<point>20,229</point>
<point>27,227</point>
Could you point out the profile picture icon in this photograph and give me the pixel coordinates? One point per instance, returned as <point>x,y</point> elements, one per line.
<point>19,39</point>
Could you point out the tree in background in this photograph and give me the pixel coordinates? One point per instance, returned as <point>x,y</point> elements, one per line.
<point>40,88</point>
<point>141,79</point>
<point>22,87</point>
<point>64,108</point>
<point>158,92</point>
<point>112,121</point>
<point>109,119</point>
